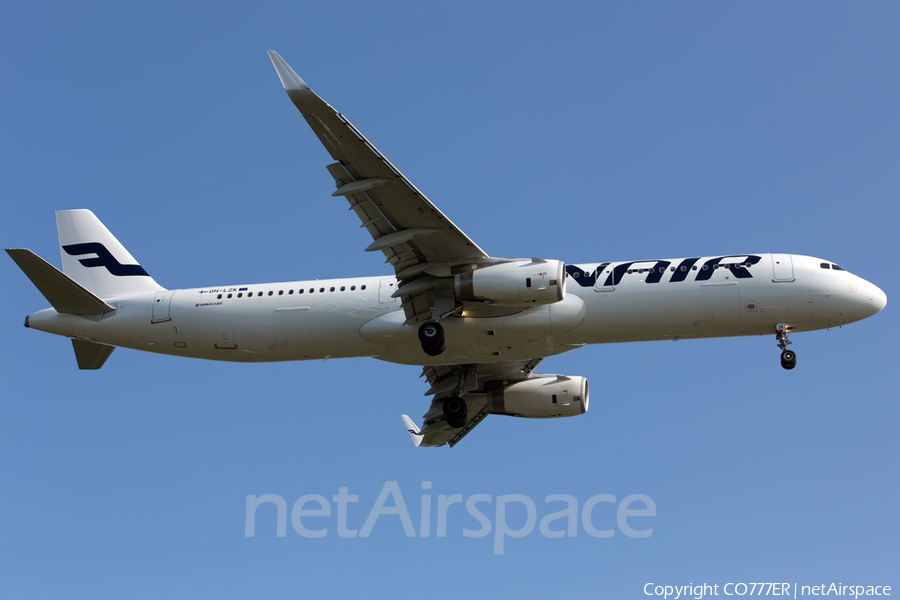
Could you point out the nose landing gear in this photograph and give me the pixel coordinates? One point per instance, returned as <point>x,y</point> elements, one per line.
<point>788,357</point>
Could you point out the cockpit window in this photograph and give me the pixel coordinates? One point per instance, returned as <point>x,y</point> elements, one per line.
<point>836,268</point>
<point>825,266</point>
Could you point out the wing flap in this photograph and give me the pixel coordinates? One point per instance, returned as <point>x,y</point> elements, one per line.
<point>413,233</point>
<point>402,205</point>
<point>438,433</point>
<point>445,381</point>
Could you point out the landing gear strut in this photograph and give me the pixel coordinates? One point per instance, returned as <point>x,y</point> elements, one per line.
<point>431,335</point>
<point>788,357</point>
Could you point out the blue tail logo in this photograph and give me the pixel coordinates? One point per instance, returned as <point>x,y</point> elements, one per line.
<point>103,259</point>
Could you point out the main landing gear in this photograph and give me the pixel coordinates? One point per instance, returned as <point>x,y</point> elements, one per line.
<point>788,357</point>
<point>456,411</point>
<point>431,336</point>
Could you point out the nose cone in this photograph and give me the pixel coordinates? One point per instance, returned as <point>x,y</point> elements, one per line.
<point>877,300</point>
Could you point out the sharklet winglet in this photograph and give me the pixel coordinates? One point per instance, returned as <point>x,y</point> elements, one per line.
<point>414,434</point>
<point>289,79</point>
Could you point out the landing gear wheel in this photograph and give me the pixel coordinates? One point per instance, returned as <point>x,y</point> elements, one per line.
<point>456,412</point>
<point>788,359</point>
<point>431,335</point>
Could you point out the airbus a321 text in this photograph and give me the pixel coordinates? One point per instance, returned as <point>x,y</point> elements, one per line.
<point>479,325</point>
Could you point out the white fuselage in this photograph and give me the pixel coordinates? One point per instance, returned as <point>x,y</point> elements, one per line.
<point>604,303</point>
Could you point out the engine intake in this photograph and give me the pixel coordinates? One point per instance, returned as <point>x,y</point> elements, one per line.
<point>517,283</point>
<point>541,397</point>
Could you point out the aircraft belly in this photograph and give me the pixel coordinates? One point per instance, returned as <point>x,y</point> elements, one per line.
<point>319,330</point>
<point>647,313</point>
<point>235,331</point>
<point>520,336</point>
<point>608,304</point>
<point>721,303</point>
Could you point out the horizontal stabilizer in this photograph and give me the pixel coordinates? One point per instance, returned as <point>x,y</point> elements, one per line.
<point>62,292</point>
<point>91,356</point>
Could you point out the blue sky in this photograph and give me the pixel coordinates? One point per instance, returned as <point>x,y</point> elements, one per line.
<point>578,131</point>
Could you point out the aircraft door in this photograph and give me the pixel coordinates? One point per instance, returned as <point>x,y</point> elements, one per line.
<point>783,267</point>
<point>161,304</point>
<point>224,336</point>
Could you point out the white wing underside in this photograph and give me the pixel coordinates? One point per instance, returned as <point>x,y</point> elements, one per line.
<point>418,240</point>
<point>476,380</point>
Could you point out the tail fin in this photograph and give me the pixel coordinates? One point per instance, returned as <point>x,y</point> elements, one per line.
<point>93,257</point>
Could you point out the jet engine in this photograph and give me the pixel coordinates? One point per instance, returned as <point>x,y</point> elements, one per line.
<point>516,283</point>
<point>541,397</point>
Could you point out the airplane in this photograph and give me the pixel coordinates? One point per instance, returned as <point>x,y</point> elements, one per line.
<point>478,325</point>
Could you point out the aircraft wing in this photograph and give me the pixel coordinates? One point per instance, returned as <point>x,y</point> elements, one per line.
<point>421,243</point>
<point>472,382</point>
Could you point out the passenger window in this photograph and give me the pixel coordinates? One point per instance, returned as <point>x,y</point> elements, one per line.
<point>362,287</point>
<point>300,291</point>
<point>290,292</point>
<point>331,290</point>
<point>241,295</point>
<point>271,292</point>
<point>280,292</point>
<point>352,288</point>
<point>229,295</point>
<point>219,297</point>
<point>343,288</point>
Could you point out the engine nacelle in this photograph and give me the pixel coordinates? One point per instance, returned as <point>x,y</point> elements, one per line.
<point>541,397</point>
<point>517,283</point>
